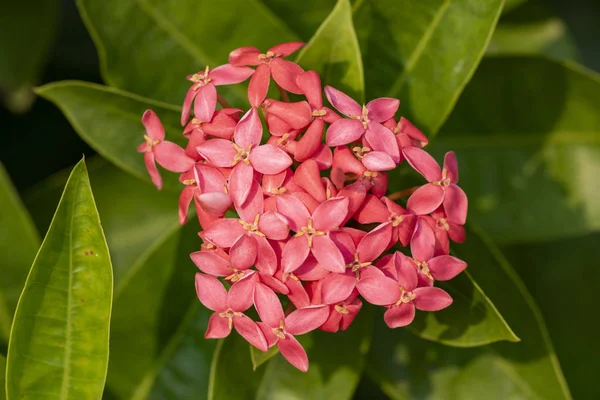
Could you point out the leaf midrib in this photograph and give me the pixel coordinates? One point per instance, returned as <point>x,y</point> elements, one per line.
<point>516,140</point>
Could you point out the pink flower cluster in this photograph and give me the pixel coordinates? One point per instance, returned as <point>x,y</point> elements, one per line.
<point>286,216</point>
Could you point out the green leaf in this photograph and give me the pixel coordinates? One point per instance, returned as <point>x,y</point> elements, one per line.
<point>182,371</point>
<point>423,52</point>
<point>24,51</point>
<point>563,277</point>
<point>171,39</point>
<point>472,319</point>
<point>59,339</point>
<point>259,358</point>
<point>2,377</point>
<point>231,375</point>
<point>152,267</point>
<point>409,368</point>
<point>333,51</point>
<point>19,241</point>
<point>109,120</point>
<point>303,17</point>
<point>533,29</point>
<point>528,151</point>
<point>336,362</point>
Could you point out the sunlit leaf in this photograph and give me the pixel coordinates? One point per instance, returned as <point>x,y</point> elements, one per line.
<point>60,335</point>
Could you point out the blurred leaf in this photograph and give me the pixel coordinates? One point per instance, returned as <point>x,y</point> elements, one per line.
<point>409,368</point>
<point>533,29</point>
<point>109,120</point>
<point>171,39</point>
<point>2,377</point>
<point>472,319</point>
<point>182,371</point>
<point>563,277</point>
<point>333,51</point>
<point>423,52</point>
<point>303,17</point>
<point>231,375</point>
<point>151,261</point>
<point>19,241</point>
<point>28,30</point>
<point>59,340</point>
<point>528,150</point>
<point>509,5</point>
<point>259,358</point>
<point>336,362</point>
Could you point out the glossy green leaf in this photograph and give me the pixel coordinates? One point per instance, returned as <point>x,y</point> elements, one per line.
<point>533,29</point>
<point>19,241</point>
<point>2,377</point>
<point>152,267</point>
<point>423,52</point>
<point>302,17</point>
<point>409,368</point>
<point>24,51</point>
<point>333,51</point>
<point>59,339</point>
<point>182,371</point>
<point>336,362</point>
<point>472,319</point>
<point>528,151</point>
<point>171,39</point>
<point>231,374</point>
<point>109,120</point>
<point>563,277</point>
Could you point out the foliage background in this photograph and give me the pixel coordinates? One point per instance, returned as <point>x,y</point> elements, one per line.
<point>526,130</point>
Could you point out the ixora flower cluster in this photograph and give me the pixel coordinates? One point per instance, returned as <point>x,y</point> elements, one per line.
<point>312,221</point>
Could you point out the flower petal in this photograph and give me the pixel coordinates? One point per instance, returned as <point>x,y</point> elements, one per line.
<point>187,105</point>
<point>296,114</point>
<point>374,243</point>
<point>425,199</point>
<point>211,292</point>
<point>224,232</point>
<point>266,259</point>
<point>399,316</point>
<point>218,327</point>
<point>240,183</point>
<point>210,263</point>
<point>344,131</point>
<point>172,157</point>
<point>259,85</point>
<point>356,193</point>
<point>423,163</point>
<point>243,252</point>
<point>206,102</point>
<point>152,170</point>
<point>330,214</point>
<point>422,243</point>
<point>293,210</point>
<point>378,161</point>
<point>327,254</point>
<point>376,288</point>
<point>307,319</point>
<point>342,102</point>
<point>269,159</point>
<point>296,250</point>
<point>284,73</point>
<point>214,203</point>
<point>451,166</point>
<point>372,210</point>
<point>250,331</point>
<point>241,294</point>
<point>444,268</point>
<point>268,306</point>
<point>337,287</point>
<point>309,83</point>
<point>285,49</point>
<point>248,131</point>
<point>431,299</point>
<point>274,226</point>
<point>412,131</point>
<point>219,152</point>
<point>382,109</point>
<point>246,55</point>
<point>228,74</point>
<point>308,177</point>
<point>382,139</point>
<point>311,140</point>
<point>154,128</point>
<point>293,351</point>
<point>456,205</point>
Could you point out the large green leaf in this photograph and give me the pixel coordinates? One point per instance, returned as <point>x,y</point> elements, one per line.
<point>423,52</point>
<point>336,362</point>
<point>172,39</point>
<point>2,377</point>
<point>24,51</point>
<point>60,335</point>
<point>152,268</point>
<point>19,241</point>
<point>528,151</point>
<point>303,17</point>
<point>408,368</point>
<point>533,29</point>
<point>471,320</point>
<point>334,52</point>
<point>109,120</point>
<point>563,277</point>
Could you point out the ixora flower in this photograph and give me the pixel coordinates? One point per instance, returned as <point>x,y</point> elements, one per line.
<point>305,232</point>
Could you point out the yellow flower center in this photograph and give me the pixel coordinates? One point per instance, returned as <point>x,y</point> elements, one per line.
<point>200,79</point>
<point>230,314</point>
<point>396,219</point>
<point>309,231</point>
<point>252,227</point>
<point>279,332</point>
<point>242,154</point>
<point>319,113</point>
<point>341,309</point>
<point>268,56</point>
<point>150,142</point>
<point>405,296</point>
<point>360,152</point>
<point>423,268</point>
